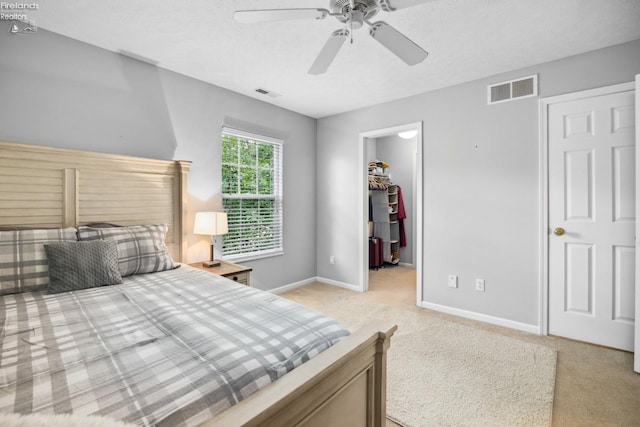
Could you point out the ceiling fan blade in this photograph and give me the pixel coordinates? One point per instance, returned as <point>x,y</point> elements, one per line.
<point>391,5</point>
<point>268,15</point>
<point>397,43</point>
<point>329,52</point>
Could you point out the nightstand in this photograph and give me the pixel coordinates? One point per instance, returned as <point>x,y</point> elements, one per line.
<point>236,272</point>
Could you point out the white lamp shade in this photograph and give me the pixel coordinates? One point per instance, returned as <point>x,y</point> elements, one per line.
<point>211,223</point>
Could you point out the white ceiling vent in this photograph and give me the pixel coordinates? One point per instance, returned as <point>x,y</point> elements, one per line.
<point>513,89</point>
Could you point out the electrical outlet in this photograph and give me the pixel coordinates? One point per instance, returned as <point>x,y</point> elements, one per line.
<point>332,259</point>
<point>480,285</point>
<point>453,281</point>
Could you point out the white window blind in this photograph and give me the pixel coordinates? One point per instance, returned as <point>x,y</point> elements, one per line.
<point>252,194</point>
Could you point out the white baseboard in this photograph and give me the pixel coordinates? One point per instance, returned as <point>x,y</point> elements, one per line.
<point>533,329</point>
<point>406,264</point>
<point>339,284</point>
<point>310,280</point>
<point>290,286</point>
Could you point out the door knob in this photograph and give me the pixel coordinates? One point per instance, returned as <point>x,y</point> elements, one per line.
<point>558,231</point>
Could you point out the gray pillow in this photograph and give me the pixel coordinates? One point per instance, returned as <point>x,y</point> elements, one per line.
<point>82,265</point>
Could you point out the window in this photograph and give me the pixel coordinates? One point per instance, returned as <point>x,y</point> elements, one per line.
<point>251,195</point>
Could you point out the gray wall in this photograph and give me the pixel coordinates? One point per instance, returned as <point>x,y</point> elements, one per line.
<point>400,154</point>
<point>481,195</point>
<point>480,162</point>
<point>63,93</point>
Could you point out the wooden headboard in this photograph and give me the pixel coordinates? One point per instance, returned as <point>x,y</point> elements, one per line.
<point>51,187</point>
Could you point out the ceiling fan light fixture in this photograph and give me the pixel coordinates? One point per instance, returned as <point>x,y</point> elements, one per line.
<point>356,19</point>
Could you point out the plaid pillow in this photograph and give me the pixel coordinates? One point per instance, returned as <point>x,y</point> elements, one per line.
<point>141,248</point>
<point>23,261</point>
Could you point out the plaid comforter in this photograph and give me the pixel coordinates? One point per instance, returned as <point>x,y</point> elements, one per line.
<point>171,348</point>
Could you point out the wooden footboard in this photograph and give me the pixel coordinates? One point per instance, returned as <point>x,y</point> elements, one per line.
<point>343,386</point>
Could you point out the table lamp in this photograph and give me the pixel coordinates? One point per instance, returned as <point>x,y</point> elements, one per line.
<point>212,224</point>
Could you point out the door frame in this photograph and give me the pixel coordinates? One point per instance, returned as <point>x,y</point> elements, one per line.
<point>545,104</point>
<point>363,196</point>
<point>636,355</point>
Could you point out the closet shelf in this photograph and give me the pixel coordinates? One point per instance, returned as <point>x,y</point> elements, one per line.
<point>391,238</point>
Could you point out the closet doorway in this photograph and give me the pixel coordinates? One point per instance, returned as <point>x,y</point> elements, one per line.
<point>403,158</point>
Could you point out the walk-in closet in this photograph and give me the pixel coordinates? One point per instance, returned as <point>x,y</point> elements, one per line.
<point>391,186</point>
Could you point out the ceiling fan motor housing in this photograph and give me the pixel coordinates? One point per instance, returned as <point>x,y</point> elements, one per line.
<point>363,10</point>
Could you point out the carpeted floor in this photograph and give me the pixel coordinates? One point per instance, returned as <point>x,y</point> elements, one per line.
<point>595,386</point>
<point>442,373</point>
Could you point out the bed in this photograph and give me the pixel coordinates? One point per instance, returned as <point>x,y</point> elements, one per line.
<point>177,337</point>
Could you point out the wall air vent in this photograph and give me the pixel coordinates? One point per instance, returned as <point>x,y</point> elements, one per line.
<point>513,89</point>
<point>268,93</point>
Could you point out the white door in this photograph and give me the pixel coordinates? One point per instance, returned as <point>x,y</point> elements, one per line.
<point>592,219</point>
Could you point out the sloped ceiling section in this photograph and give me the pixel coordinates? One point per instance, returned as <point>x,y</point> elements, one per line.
<point>466,39</point>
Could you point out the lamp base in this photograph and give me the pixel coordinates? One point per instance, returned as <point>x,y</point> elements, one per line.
<point>210,264</point>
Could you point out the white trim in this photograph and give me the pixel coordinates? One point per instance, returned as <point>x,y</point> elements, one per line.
<point>234,249</point>
<point>364,204</point>
<point>636,356</point>
<point>311,280</point>
<point>406,264</point>
<point>239,258</point>
<point>533,329</point>
<point>419,206</point>
<point>249,135</point>
<point>344,285</point>
<point>363,277</point>
<point>543,227</point>
<point>545,103</point>
<point>294,285</point>
<point>589,93</point>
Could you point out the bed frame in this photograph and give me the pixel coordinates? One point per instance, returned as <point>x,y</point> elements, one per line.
<point>43,187</point>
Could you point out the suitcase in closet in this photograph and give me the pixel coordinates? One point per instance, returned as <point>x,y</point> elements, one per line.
<point>376,254</point>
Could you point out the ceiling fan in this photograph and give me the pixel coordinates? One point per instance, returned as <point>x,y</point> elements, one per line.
<point>354,14</point>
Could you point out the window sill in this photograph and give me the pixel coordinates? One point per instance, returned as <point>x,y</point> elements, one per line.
<point>252,257</point>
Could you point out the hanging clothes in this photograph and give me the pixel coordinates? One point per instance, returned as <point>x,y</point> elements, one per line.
<point>402,215</point>
<point>380,206</point>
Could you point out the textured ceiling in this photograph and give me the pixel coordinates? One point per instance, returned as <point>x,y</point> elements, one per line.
<point>466,39</point>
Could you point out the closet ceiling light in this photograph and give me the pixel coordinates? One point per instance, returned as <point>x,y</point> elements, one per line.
<point>408,134</point>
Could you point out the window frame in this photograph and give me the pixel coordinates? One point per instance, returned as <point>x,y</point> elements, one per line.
<point>277,194</point>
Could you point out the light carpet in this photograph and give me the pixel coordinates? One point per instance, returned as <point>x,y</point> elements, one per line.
<point>442,373</point>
